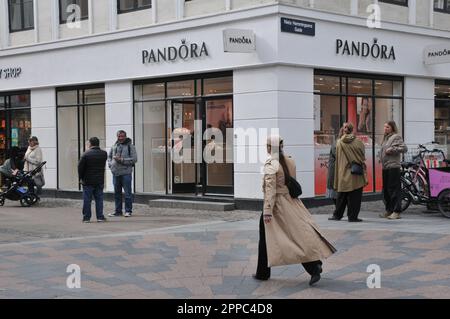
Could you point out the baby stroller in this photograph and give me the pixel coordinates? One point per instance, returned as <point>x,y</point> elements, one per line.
<point>21,188</point>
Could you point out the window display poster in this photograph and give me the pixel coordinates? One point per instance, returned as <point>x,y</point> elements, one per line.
<point>317,116</point>
<point>321,156</point>
<point>14,137</point>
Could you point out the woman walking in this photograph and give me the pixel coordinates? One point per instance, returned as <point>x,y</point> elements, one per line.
<point>288,233</point>
<point>392,148</point>
<point>33,157</point>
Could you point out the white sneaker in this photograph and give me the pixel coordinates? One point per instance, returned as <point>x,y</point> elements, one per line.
<point>127,215</point>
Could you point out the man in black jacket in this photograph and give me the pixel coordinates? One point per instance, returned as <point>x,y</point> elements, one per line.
<point>91,172</point>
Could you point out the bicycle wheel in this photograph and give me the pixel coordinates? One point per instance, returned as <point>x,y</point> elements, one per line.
<point>443,203</point>
<point>405,201</point>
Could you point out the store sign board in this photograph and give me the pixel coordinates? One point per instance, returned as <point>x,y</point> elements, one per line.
<point>298,26</point>
<point>237,40</point>
<point>184,51</point>
<point>437,54</point>
<point>10,73</point>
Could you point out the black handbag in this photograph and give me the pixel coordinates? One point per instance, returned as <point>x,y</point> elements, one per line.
<point>357,169</point>
<point>295,189</point>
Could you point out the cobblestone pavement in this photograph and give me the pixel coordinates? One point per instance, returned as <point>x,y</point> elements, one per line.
<point>162,253</point>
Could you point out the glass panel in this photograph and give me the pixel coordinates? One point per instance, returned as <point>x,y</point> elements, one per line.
<point>326,128</point>
<point>95,124</point>
<point>359,86</point>
<point>442,124</point>
<point>20,128</point>
<point>151,147</point>
<point>386,110</point>
<point>94,96</point>
<point>154,91</point>
<point>218,153</point>
<point>15,15</point>
<point>28,18</point>
<point>67,98</point>
<point>442,91</point>
<point>183,145</point>
<point>20,100</point>
<point>388,88</point>
<point>2,102</point>
<point>68,148</point>
<point>439,4</point>
<point>326,84</point>
<point>218,85</point>
<point>180,89</point>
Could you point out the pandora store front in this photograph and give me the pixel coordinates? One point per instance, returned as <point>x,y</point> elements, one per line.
<point>217,88</point>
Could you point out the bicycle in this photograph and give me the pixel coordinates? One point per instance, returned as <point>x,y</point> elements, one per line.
<point>424,184</point>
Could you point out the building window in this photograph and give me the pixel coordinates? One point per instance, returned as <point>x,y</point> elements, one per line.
<point>81,115</point>
<point>21,16</point>
<point>69,8</point>
<point>124,6</point>
<point>442,6</point>
<point>365,101</point>
<point>168,110</point>
<point>398,2</point>
<point>15,122</point>
<point>442,114</point>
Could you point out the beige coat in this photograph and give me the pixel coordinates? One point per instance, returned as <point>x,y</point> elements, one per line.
<point>292,236</point>
<point>344,180</point>
<point>33,157</point>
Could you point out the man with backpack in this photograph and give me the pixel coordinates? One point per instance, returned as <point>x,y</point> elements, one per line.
<point>121,160</point>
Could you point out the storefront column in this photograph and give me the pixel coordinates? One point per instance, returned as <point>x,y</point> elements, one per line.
<point>270,98</point>
<point>43,122</point>
<point>419,111</point>
<point>118,116</point>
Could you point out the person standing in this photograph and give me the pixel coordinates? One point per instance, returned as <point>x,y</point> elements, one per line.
<point>33,157</point>
<point>287,232</point>
<point>121,159</point>
<point>331,192</point>
<point>392,148</point>
<point>349,150</point>
<point>91,173</point>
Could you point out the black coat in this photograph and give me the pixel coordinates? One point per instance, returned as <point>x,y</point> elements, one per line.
<point>91,168</point>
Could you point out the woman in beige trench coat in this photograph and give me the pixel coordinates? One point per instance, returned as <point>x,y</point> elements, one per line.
<point>288,233</point>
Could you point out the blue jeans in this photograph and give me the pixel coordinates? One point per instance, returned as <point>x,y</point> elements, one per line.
<point>124,182</point>
<point>88,192</point>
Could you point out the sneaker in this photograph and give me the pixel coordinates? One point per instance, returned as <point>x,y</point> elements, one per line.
<point>357,220</point>
<point>394,216</point>
<point>385,215</point>
<point>127,215</point>
<point>101,220</point>
<point>86,221</point>
<point>115,215</point>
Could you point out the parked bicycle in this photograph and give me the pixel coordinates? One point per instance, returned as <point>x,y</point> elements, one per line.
<point>426,180</point>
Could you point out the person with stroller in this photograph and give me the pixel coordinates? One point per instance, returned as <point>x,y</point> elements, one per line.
<point>33,157</point>
<point>13,165</point>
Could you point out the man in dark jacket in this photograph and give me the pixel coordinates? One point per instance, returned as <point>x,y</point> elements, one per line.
<point>91,172</point>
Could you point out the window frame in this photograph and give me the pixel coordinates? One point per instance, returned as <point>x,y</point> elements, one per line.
<point>135,7</point>
<point>22,15</point>
<point>446,7</point>
<point>406,4</point>
<point>62,21</point>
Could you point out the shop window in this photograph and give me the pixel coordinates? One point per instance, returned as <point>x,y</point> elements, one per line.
<point>66,12</point>
<point>21,15</point>
<point>442,115</point>
<point>218,86</point>
<point>15,122</point>
<point>81,115</point>
<point>181,88</point>
<point>124,6</point>
<point>364,101</point>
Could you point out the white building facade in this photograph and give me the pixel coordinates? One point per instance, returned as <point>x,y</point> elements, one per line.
<point>168,70</point>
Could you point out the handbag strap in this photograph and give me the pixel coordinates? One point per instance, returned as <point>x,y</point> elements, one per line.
<point>346,156</point>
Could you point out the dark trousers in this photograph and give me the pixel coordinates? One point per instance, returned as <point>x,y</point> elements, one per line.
<point>392,189</point>
<point>352,200</point>
<point>90,191</point>
<point>262,271</point>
